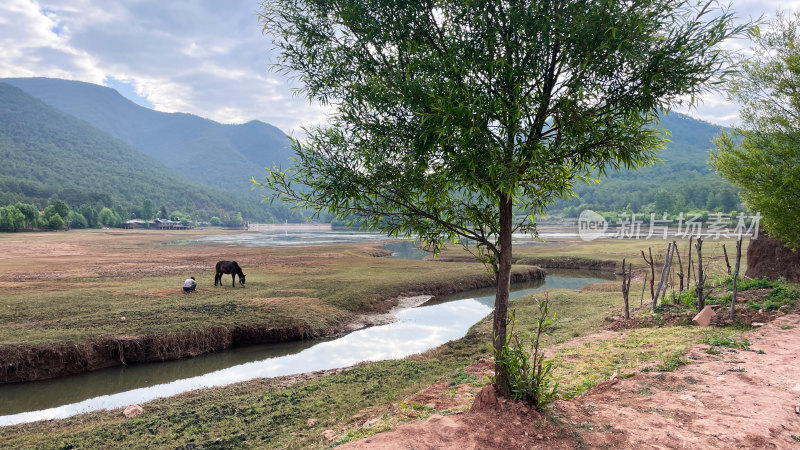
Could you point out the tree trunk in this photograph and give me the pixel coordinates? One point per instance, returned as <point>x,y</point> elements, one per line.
<point>503,277</point>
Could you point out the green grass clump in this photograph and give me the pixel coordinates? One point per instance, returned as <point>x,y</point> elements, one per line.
<point>782,294</point>
<point>669,364</point>
<point>723,300</point>
<point>462,377</point>
<point>751,284</point>
<point>730,341</point>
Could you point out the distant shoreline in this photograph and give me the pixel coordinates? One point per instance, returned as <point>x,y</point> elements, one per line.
<point>289,227</point>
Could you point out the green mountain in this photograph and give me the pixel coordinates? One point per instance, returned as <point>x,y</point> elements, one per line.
<point>218,155</point>
<point>226,156</point>
<point>47,153</point>
<point>682,176</point>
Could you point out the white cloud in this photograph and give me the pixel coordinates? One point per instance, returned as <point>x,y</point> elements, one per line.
<point>202,57</point>
<point>198,56</point>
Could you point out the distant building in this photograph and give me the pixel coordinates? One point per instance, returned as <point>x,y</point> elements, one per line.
<point>158,224</point>
<point>134,224</point>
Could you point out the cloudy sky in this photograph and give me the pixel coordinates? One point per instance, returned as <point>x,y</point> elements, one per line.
<point>205,57</point>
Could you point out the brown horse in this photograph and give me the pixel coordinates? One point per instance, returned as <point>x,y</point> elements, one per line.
<point>229,267</point>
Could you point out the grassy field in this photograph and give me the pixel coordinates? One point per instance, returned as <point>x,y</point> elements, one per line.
<point>273,413</point>
<point>270,413</point>
<point>78,286</point>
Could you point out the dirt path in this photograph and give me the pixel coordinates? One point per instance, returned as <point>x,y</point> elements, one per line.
<point>735,399</point>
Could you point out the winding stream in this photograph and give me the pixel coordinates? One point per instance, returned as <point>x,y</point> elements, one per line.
<point>416,330</point>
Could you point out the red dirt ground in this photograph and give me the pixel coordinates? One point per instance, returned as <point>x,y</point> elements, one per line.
<point>736,399</point>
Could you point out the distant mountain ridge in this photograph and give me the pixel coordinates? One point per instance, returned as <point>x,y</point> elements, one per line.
<point>48,153</point>
<point>226,156</point>
<point>215,154</point>
<point>683,172</point>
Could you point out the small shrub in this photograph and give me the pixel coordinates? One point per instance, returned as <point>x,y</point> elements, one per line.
<point>689,298</point>
<point>529,375</point>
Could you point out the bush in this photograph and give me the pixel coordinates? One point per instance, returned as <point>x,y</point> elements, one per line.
<point>529,374</point>
<point>55,222</point>
<point>78,221</point>
<point>11,218</point>
<point>109,218</point>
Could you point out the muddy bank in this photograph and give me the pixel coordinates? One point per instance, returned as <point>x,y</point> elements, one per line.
<point>570,262</point>
<point>769,257</point>
<point>21,364</point>
<point>552,262</point>
<point>31,363</point>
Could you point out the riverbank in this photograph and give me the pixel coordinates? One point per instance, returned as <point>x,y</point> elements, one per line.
<point>294,412</point>
<point>270,413</point>
<point>93,299</point>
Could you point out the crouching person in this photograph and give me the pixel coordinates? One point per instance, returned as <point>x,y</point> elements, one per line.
<point>189,285</point>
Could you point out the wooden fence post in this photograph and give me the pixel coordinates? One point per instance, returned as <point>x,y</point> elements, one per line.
<point>663,278</point>
<point>680,269</point>
<point>701,302</point>
<point>644,285</point>
<point>736,274</point>
<point>727,262</point>
<point>690,273</point>
<point>626,288</point>
<point>652,272</point>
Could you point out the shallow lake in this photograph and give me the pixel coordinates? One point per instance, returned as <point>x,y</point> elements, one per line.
<point>284,238</point>
<point>416,330</point>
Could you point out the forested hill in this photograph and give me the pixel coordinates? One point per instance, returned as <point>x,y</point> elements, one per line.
<point>219,155</point>
<point>683,180</point>
<point>46,152</point>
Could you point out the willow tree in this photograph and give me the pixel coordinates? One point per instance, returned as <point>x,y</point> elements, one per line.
<point>462,120</point>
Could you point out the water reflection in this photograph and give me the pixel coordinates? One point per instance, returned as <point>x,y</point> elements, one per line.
<point>405,250</point>
<point>416,330</point>
<point>285,238</point>
<point>289,238</point>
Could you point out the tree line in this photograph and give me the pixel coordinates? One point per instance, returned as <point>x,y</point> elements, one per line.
<point>57,215</point>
